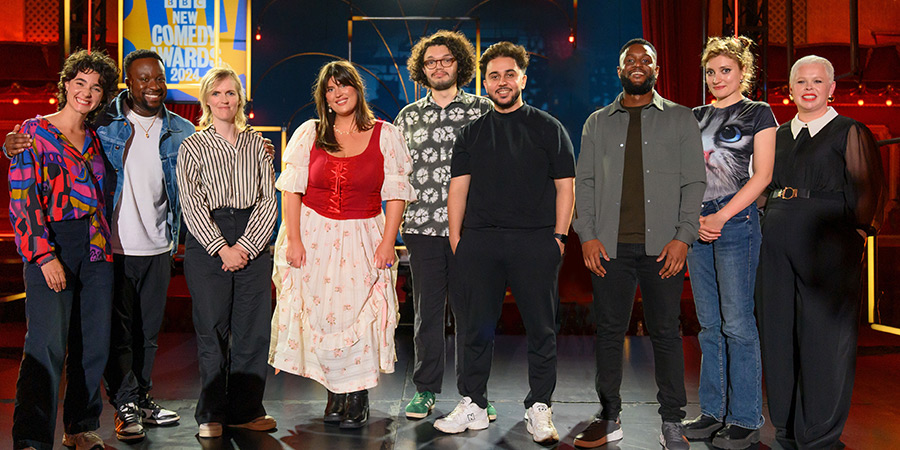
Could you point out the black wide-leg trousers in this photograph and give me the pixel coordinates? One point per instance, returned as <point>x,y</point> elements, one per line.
<point>807,304</point>
<point>232,313</point>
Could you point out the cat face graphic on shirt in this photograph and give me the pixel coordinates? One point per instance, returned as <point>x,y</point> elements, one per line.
<point>727,146</point>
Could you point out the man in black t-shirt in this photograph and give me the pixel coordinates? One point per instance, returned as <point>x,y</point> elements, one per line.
<point>510,204</point>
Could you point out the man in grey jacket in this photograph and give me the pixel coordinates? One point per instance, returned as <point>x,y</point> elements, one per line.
<point>639,183</point>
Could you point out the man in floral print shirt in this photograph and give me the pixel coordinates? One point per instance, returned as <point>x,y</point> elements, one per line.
<point>443,63</point>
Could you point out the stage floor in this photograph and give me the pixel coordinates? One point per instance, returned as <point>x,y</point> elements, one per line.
<point>297,403</point>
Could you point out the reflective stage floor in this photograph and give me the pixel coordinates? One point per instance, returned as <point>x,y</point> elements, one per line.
<point>298,403</point>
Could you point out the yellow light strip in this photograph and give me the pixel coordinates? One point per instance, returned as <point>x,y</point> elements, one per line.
<point>67,27</point>
<point>870,288</point>
<point>121,15</point>
<point>10,298</point>
<point>249,40</point>
<point>217,31</point>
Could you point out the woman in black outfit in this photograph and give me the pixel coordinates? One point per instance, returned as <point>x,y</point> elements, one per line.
<point>826,197</point>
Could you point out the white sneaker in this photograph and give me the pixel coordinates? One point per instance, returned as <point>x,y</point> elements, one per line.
<point>539,424</point>
<point>466,416</point>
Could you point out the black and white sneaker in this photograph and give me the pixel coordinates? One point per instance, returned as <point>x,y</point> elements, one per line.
<point>128,423</point>
<point>152,412</point>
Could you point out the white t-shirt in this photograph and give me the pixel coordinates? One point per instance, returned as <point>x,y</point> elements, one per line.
<point>139,220</point>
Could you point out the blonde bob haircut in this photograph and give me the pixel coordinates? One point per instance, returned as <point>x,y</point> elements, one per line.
<point>209,81</point>
<point>812,59</point>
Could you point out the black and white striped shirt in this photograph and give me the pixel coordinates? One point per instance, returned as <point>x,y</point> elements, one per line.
<point>214,174</point>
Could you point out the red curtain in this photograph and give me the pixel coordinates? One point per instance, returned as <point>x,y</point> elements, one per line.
<point>676,30</point>
<point>190,111</point>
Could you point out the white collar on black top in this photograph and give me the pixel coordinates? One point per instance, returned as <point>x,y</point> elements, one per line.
<point>814,125</point>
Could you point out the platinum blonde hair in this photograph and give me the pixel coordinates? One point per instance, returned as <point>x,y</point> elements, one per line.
<point>812,59</point>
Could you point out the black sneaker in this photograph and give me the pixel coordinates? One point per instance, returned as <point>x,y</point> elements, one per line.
<point>600,432</point>
<point>701,427</point>
<point>734,437</point>
<point>152,412</point>
<point>128,423</point>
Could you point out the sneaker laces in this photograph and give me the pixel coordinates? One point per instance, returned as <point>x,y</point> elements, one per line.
<point>673,432</point>
<point>148,403</point>
<point>128,413</point>
<point>541,415</point>
<point>459,410</point>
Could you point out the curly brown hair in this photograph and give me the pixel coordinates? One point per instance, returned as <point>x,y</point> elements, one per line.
<point>459,47</point>
<point>83,61</point>
<point>736,48</point>
<point>344,74</point>
<point>507,49</point>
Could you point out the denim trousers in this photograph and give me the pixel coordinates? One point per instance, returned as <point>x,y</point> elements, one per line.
<point>70,329</point>
<point>723,273</point>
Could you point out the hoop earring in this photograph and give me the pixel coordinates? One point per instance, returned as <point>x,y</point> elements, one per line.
<point>831,98</point>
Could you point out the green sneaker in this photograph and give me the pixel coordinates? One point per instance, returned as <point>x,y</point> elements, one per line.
<point>420,405</point>
<point>491,412</point>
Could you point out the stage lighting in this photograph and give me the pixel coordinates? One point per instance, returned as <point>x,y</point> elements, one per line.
<point>786,102</point>
<point>52,101</point>
<point>15,101</point>
<point>258,35</point>
<point>251,115</point>
<point>571,38</point>
<point>888,102</point>
<point>860,102</point>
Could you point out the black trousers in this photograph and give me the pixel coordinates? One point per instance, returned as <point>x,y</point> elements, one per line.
<point>613,302</point>
<point>431,263</point>
<point>232,313</point>
<point>139,303</point>
<point>68,328</point>
<point>528,262</point>
<point>807,305</point>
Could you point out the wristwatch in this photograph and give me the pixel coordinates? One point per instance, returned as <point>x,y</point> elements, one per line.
<point>562,237</point>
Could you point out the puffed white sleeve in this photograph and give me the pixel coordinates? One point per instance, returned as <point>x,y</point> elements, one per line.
<point>295,175</point>
<point>397,165</point>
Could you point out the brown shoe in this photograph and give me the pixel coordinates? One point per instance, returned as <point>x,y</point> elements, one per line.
<point>87,440</point>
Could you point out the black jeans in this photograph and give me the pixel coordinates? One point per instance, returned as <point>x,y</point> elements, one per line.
<point>232,314</point>
<point>431,264</point>
<point>139,303</point>
<point>528,262</point>
<point>613,302</point>
<point>74,321</point>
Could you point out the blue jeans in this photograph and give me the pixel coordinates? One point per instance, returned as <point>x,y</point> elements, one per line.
<point>723,273</point>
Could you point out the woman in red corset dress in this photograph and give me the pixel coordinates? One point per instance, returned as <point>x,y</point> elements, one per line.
<point>337,307</point>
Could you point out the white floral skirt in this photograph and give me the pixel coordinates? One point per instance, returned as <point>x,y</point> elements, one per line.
<point>336,316</point>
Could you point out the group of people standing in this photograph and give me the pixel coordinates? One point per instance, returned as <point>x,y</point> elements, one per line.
<point>492,184</point>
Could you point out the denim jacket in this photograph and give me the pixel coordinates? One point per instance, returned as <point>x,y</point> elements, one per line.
<point>115,130</point>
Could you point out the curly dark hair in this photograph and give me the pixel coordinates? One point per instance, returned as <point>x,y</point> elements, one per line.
<point>507,49</point>
<point>459,47</point>
<point>736,48</point>
<point>83,61</point>
<point>136,55</point>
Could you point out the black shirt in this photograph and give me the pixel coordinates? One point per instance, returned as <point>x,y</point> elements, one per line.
<point>631,209</point>
<point>513,160</point>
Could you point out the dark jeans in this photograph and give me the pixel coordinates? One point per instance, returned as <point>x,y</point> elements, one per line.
<point>232,313</point>
<point>430,261</point>
<point>528,262</point>
<point>613,302</point>
<point>807,303</point>
<point>74,320</point>
<point>139,303</point>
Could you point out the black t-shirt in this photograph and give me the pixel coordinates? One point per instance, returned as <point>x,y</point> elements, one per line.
<point>632,216</point>
<point>513,160</point>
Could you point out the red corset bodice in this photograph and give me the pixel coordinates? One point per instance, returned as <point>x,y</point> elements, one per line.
<point>346,188</point>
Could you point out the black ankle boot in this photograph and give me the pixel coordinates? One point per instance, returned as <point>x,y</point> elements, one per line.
<point>334,410</point>
<point>357,413</point>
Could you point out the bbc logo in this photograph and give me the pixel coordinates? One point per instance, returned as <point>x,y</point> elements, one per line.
<point>196,4</point>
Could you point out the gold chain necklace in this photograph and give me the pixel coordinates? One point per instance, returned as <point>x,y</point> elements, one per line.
<point>146,130</point>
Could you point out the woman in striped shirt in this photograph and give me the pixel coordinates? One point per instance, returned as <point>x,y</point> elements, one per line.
<point>226,187</point>
<point>58,214</point>
<point>337,306</point>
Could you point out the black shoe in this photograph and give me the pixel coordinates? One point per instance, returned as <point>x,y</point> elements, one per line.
<point>357,413</point>
<point>128,423</point>
<point>734,437</point>
<point>701,427</point>
<point>334,410</point>
<point>599,432</point>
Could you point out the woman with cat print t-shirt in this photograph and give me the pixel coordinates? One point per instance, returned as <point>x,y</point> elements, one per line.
<point>737,132</point>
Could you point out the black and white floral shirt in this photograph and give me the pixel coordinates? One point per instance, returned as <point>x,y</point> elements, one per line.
<point>430,132</point>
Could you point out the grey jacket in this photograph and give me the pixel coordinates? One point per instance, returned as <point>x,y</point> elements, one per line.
<point>674,174</point>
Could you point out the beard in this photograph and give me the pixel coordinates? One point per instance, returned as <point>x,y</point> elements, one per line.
<point>512,100</point>
<point>442,85</point>
<point>638,89</point>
